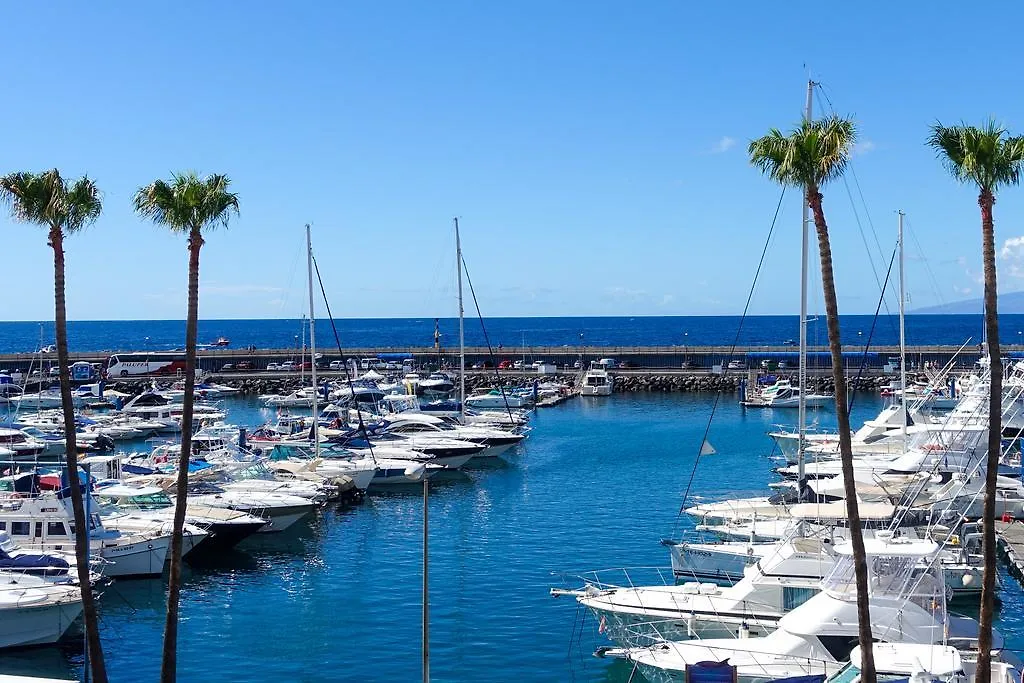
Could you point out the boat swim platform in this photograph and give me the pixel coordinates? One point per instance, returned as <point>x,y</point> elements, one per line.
<point>695,359</point>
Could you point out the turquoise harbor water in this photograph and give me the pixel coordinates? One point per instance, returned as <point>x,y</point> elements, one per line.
<point>596,485</point>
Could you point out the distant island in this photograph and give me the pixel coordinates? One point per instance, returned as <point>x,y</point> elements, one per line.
<point>1009,302</point>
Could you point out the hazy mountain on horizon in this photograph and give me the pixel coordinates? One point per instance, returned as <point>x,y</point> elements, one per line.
<point>1009,302</point>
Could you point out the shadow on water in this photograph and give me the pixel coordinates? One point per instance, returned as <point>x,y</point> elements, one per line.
<point>61,661</point>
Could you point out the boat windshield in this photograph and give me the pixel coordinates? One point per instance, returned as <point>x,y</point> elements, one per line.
<point>147,501</point>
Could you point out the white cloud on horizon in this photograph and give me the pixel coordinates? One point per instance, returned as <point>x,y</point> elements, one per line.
<point>723,145</point>
<point>1013,253</point>
<point>863,147</point>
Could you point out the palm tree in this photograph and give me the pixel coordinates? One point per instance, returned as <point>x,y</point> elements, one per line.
<point>813,154</point>
<point>185,204</point>
<point>48,200</point>
<point>989,158</point>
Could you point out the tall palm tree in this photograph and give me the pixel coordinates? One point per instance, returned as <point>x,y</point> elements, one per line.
<point>48,200</point>
<point>814,153</point>
<point>989,158</point>
<point>185,204</point>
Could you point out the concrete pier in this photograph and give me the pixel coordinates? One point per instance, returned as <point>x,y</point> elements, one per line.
<point>661,358</point>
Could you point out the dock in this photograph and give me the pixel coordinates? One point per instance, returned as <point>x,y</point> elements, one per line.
<point>1010,542</point>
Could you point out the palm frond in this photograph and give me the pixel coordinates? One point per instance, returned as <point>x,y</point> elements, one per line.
<point>983,155</point>
<point>83,204</point>
<point>814,153</point>
<point>45,199</point>
<point>186,202</point>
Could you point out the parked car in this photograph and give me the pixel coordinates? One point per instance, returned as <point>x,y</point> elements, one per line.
<point>689,365</point>
<point>288,366</point>
<point>304,365</point>
<point>336,365</point>
<point>227,367</point>
<point>607,363</point>
<point>273,367</point>
<point>737,365</point>
<point>244,365</point>
<point>504,365</point>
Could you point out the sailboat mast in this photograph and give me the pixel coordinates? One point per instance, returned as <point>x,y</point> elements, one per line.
<point>312,346</point>
<point>802,399</point>
<point>462,326</point>
<point>903,342</point>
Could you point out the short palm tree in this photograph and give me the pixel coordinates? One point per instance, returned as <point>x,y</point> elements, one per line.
<point>989,158</point>
<point>48,200</point>
<point>813,154</point>
<point>185,204</point>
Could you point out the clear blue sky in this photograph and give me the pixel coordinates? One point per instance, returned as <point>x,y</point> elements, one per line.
<point>595,151</point>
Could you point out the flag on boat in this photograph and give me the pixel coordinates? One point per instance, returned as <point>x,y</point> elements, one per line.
<point>707,449</point>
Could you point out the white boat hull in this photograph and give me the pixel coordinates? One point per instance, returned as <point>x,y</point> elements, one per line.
<point>41,625</point>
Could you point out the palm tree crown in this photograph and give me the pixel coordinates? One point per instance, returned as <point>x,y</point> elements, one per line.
<point>814,153</point>
<point>187,202</point>
<point>985,156</point>
<point>45,198</point>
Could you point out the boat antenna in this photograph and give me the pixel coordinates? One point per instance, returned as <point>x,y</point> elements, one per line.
<point>312,346</point>
<point>341,353</point>
<point>462,325</point>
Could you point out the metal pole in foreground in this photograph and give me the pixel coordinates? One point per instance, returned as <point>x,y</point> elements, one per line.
<point>426,591</point>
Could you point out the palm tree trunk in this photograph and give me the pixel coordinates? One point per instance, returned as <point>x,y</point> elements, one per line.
<point>867,665</point>
<point>995,424</point>
<point>168,667</point>
<point>92,627</point>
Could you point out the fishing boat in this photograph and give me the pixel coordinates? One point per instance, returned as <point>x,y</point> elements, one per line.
<point>597,381</point>
<point>817,638</point>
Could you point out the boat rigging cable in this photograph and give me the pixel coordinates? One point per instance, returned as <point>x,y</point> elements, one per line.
<point>344,362</point>
<point>927,265</point>
<point>856,214</point>
<point>732,350</point>
<point>871,333</point>
<point>487,339</point>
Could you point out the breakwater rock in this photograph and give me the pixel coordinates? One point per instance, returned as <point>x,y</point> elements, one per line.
<point>255,385</point>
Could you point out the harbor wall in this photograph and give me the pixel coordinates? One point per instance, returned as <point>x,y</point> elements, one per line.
<point>566,358</point>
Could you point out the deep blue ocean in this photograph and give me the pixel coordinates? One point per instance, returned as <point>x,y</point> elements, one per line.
<point>141,335</point>
<point>596,485</point>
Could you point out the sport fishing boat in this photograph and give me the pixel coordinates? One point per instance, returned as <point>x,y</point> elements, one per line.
<point>771,587</point>
<point>816,638</point>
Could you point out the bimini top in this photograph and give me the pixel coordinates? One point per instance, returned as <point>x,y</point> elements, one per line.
<point>837,510</point>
